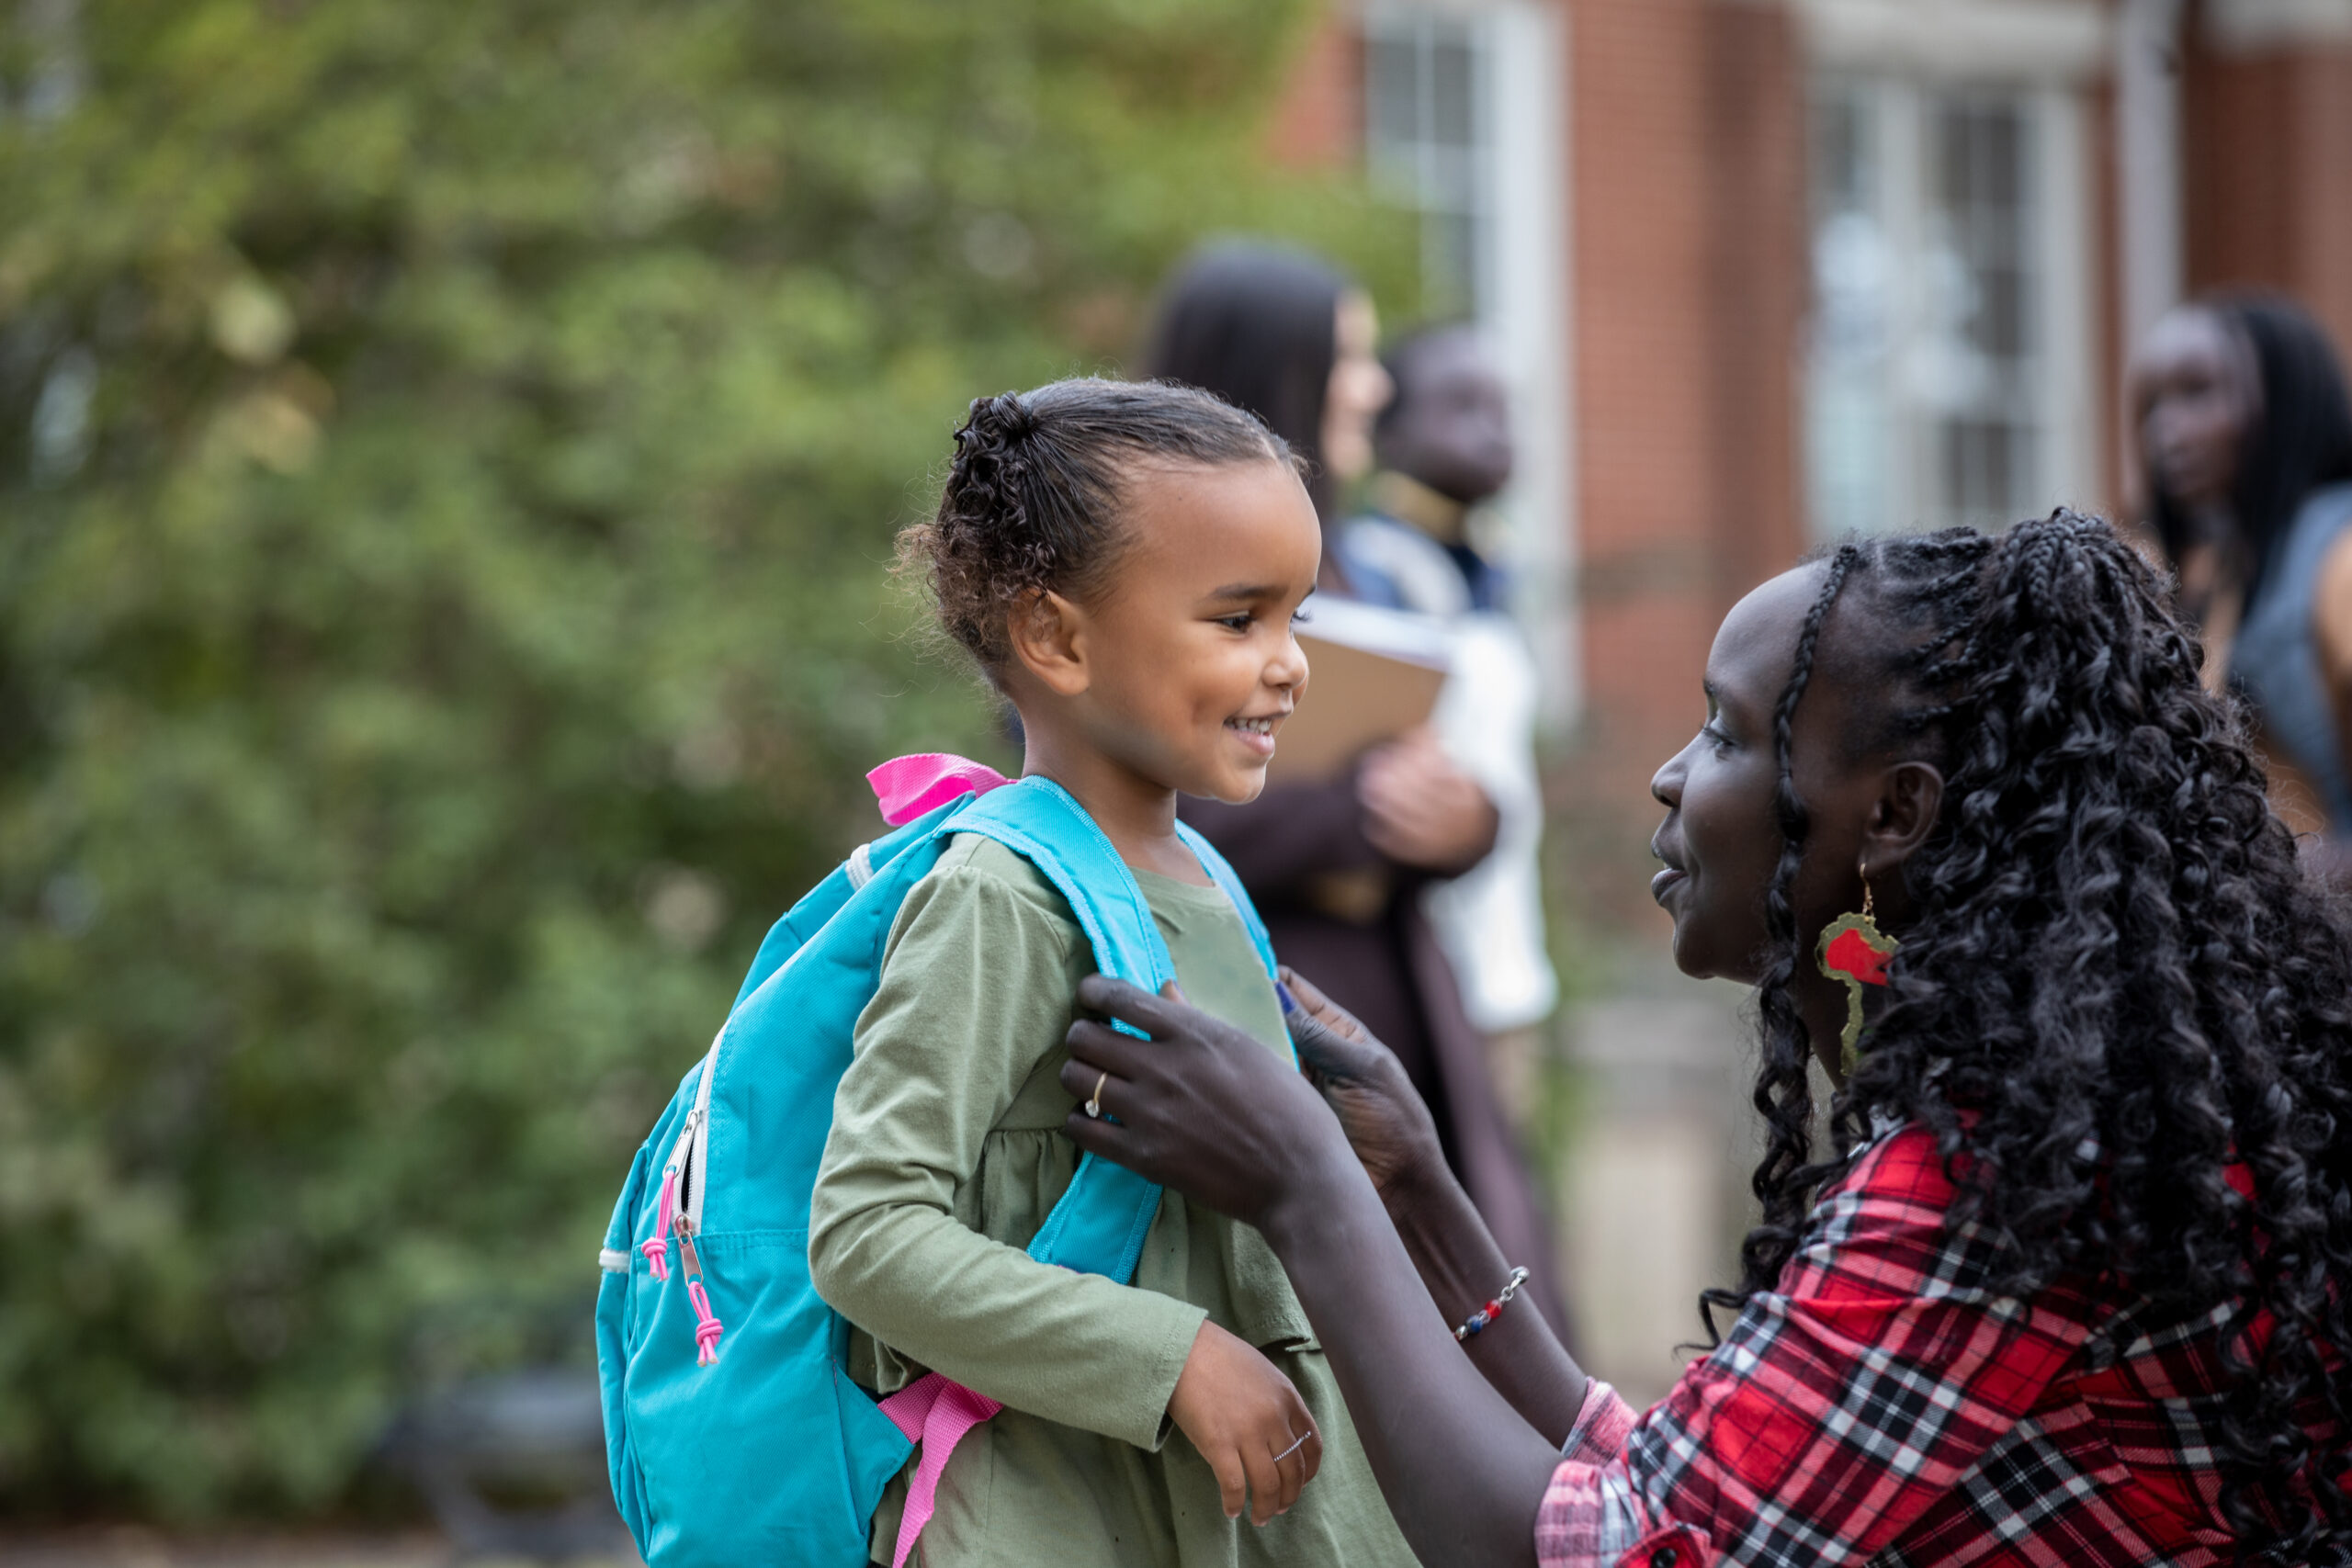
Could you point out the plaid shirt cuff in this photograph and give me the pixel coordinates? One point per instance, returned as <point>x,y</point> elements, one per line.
<point>1590,1517</point>
<point>1603,1423</point>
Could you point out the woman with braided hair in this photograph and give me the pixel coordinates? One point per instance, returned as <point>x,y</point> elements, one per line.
<point>2058,1279</point>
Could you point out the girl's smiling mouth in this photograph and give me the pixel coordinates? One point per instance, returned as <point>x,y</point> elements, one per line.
<point>1257,731</point>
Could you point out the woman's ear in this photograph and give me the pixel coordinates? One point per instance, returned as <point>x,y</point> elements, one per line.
<point>1910,798</point>
<point>1048,636</point>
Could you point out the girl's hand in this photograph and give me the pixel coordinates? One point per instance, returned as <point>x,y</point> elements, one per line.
<point>1386,1122</point>
<point>1241,1412</point>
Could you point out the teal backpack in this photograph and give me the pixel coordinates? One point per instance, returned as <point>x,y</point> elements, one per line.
<point>735,1438</point>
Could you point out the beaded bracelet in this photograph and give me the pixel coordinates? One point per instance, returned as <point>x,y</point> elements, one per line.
<point>1493,1309</point>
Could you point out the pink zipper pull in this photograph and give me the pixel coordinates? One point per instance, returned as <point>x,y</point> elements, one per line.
<point>707,1328</point>
<point>657,1251</point>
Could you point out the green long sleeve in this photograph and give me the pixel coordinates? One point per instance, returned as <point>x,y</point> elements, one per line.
<point>914,1236</point>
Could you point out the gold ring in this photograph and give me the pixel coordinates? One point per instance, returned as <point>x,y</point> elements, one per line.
<point>1094,1101</point>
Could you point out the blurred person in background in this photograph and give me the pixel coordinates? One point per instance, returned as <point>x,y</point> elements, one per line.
<point>2244,440</point>
<point>1444,449</point>
<point>1339,868</point>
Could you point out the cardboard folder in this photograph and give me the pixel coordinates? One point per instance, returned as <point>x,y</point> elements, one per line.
<point>1373,674</point>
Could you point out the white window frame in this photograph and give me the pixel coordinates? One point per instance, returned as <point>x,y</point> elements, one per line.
<point>1910,54</point>
<point>1520,293</point>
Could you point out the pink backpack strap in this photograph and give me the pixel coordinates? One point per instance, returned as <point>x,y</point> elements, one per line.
<point>935,1414</point>
<point>908,786</point>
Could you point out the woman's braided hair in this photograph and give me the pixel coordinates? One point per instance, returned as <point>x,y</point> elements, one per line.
<point>2121,999</point>
<point>1033,498</point>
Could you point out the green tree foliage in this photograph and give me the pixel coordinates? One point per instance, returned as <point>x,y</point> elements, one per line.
<point>449,453</point>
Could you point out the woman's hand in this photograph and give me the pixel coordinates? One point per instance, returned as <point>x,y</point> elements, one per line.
<point>1247,1420</point>
<point>1387,1124</point>
<point>1205,1108</point>
<point>1200,1106</point>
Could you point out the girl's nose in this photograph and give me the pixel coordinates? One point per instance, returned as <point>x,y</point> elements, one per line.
<point>1289,668</point>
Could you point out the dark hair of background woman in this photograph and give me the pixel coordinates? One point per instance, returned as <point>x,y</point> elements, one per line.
<point>1254,323</point>
<point>2301,438</point>
<point>2119,992</point>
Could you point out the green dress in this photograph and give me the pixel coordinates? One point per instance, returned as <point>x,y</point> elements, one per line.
<point>946,1154</point>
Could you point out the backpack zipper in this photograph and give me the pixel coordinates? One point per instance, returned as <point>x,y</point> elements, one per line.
<point>690,1161</point>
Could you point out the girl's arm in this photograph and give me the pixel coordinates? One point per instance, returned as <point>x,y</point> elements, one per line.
<point>975,989</point>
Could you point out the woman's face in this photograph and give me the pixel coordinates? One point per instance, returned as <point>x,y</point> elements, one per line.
<point>1360,388</point>
<point>1721,839</point>
<point>2195,394</point>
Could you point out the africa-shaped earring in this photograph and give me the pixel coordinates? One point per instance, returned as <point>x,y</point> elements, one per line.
<point>1852,949</point>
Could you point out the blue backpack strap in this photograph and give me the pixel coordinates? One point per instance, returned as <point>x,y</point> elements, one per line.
<point>1098,1226</point>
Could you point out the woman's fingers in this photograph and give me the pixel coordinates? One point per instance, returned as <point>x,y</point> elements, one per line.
<point>1092,1085</point>
<point>1155,1016</point>
<point>1323,1050</point>
<point>1102,1048</point>
<point>1322,1008</point>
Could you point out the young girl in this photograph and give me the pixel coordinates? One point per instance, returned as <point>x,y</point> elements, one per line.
<point>1125,562</point>
<point>2064,1286</point>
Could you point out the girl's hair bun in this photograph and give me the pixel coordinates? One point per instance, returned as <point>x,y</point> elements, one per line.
<point>1006,416</point>
<point>1038,479</point>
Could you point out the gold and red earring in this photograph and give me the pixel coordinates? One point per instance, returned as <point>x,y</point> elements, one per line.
<point>1853,950</point>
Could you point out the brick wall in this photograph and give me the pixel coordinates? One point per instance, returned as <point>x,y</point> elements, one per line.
<point>2267,149</point>
<point>1688,278</point>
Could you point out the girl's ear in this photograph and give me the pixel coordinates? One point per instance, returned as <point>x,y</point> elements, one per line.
<point>1048,636</point>
<point>1910,798</point>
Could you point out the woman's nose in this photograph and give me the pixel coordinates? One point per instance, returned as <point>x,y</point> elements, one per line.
<point>1666,785</point>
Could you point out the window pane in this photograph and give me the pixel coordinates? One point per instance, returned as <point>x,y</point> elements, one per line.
<point>1981,324</point>
<point>1450,90</point>
<point>1392,95</point>
<point>1427,143</point>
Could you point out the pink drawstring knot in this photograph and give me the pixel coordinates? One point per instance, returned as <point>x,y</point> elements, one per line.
<point>906,787</point>
<point>657,1251</point>
<point>707,1328</point>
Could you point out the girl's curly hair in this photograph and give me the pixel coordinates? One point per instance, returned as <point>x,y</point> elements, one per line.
<point>1032,502</point>
<point>2122,1009</point>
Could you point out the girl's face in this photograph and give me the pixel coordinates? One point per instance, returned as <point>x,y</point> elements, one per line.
<point>1721,839</point>
<point>1359,388</point>
<point>1190,667</point>
<point>2196,393</point>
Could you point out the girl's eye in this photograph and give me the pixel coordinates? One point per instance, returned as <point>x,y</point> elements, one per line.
<point>1240,623</point>
<point>1301,615</point>
<point>1717,736</point>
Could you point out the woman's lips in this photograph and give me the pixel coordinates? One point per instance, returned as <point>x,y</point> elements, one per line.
<point>1665,881</point>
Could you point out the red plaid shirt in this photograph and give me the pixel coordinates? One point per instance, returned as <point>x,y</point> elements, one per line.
<point>1885,1406</point>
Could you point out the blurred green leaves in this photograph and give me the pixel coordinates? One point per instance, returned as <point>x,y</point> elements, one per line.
<point>449,454</point>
